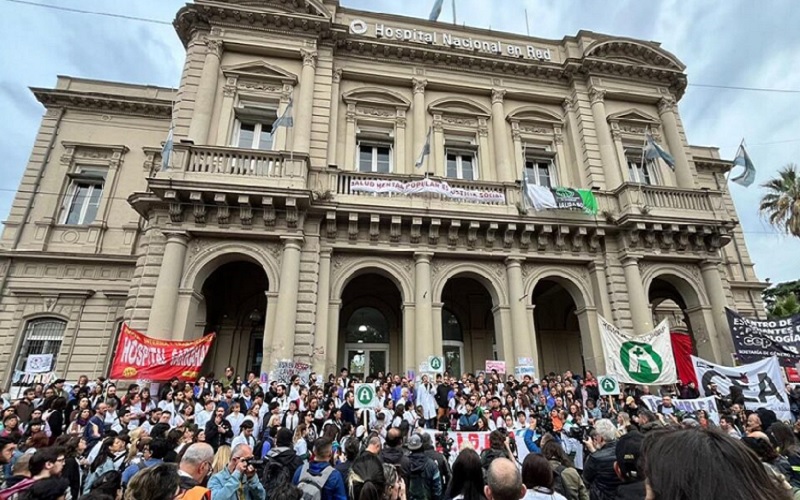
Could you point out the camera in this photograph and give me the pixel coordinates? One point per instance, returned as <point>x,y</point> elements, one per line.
<point>579,432</point>
<point>443,440</point>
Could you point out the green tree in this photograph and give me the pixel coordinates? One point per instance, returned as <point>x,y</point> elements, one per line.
<point>781,204</point>
<point>783,299</point>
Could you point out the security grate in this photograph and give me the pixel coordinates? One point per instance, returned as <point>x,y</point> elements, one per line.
<point>42,336</point>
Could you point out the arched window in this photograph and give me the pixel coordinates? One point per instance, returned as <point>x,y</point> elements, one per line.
<point>451,327</point>
<point>42,336</point>
<point>367,325</point>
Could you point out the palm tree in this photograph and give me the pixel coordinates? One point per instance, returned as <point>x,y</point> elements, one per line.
<point>782,203</point>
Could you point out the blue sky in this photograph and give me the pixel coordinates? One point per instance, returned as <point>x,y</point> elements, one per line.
<point>731,42</point>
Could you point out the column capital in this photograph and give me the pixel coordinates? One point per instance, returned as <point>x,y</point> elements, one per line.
<point>710,264</point>
<point>630,260</point>
<point>568,104</point>
<point>309,57</point>
<point>421,257</point>
<point>325,253</point>
<point>666,105</point>
<point>513,262</point>
<point>498,95</point>
<point>181,237</point>
<point>337,75</point>
<point>419,85</point>
<point>295,242</point>
<point>596,95</point>
<point>214,47</point>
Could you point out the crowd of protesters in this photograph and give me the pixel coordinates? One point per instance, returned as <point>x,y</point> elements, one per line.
<point>228,438</point>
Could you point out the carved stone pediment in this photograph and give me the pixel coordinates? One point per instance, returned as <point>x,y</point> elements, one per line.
<point>260,71</point>
<point>634,52</point>
<point>458,107</point>
<point>376,97</point>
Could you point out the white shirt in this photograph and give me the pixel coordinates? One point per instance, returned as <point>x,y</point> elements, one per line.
<point>235,420</point>
<point>202,417</point>
<point>241,439</point>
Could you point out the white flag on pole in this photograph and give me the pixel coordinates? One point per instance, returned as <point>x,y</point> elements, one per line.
<point>641,359</point>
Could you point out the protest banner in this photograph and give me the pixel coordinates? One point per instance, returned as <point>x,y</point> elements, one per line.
<point>499,366</point>
<point>141,357</point>
<point>756,339</point>
<point>287,368</point>
<point>761,383</point>
<point>524,367</point>
<point>709,404</point>
<point>640,359</point>
<point>38,363</point>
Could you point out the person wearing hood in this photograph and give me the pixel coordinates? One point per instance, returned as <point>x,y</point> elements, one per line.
<point>282,462</point>
<point>333,488</point>
<point>424,478</point>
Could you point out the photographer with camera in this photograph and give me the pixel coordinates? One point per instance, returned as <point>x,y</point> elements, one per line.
<point>237,481</point>
<point>598,473</point>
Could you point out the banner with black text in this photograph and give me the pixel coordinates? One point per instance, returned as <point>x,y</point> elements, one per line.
<point>756,339</point>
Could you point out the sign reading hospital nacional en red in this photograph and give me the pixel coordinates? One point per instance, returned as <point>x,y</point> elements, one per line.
<point>145,358</point>
<point>426,186</point>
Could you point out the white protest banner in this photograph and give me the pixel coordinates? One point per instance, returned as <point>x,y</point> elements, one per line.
<point>761,383</point>
<point>640,359</point>
<point>425,186</point>
<point>524,367</point>
<point>709,404</point>
<point>287,368</point>
<point>38,363</point>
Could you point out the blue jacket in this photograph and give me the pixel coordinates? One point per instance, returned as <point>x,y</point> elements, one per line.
<point>334,487</point>
<point>132,469</point>
<point>530,441</point>
<point>225,486</point>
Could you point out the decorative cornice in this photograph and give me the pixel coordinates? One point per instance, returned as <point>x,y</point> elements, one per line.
<point>105,103</point>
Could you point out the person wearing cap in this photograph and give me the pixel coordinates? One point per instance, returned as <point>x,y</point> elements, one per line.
<point>424,480</point>
<point>629,468</point>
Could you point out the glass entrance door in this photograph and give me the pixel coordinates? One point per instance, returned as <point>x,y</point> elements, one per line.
<point>453,358</point>
<point>366,361</point>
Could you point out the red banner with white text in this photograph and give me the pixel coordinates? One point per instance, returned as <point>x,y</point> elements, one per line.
<point>145,358</point>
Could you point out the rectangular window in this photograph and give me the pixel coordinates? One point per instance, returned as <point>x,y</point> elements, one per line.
<point>42,336</point>
<point>638,171</point>
<point>83,197</point>
<point>255,135</point>
<point>541,172</point>
<point>462,165</point>
<point>375,157</point>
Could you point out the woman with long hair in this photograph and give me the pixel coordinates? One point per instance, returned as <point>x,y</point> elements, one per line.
<point>78,424</point>
<point>777,466</point>
<point>134,437</point>
<point>466,481</point>
<point>83,404</point>
<point>299,441</point>
<point>695,463</point>
<point>787,445</point>
<point>538,478</point>
<point>574,487</point>
<point>221,459</point>
<point>104,461</point>
<point>366,480</point>
<point>395,486</point>
<point>74,446</point>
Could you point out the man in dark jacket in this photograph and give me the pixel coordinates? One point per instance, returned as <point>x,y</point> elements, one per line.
<point>281,462</point>
<point>424,480</point>
<point>392,453</point>
<point>442,397</point>
<point>348,412</point>
<point>628,466</point>
<point>441,462</point>
<point>598,470</point>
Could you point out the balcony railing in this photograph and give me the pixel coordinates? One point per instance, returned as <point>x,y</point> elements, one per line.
<point>670,202</point>
<point>238,166</point>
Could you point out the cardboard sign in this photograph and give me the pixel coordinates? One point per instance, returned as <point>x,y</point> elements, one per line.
<point>499,366</point>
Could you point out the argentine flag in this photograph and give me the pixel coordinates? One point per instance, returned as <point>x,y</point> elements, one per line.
<point>743,160</point>
<point>653,151</point>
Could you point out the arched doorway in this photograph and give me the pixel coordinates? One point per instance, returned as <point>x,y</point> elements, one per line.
<point>371,328</point>
<point>558,332</point>
<point>235,302</point>
<point>468,333</point>
<point>673,299</point>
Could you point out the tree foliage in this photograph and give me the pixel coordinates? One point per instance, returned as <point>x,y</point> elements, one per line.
<point>783,299</point>
<point>781,204</point>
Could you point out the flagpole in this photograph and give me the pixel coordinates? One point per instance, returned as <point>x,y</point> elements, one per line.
<point>527,26</point>
<point>454,11</point>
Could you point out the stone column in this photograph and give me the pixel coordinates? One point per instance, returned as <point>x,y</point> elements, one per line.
<point>523,339</point>
<point>424,306</point>
<point>350,162</point>
<point>485,171</point>
<point>305,105</point>
<point>569,106</point>
<point>608,154</point>
<point>401,165</point>
<point>637,297</point>
<point>226,113</point>
<point>332,358</point>
<point>500,134</point>
<point>333,129</point>
<point>597,273</point>
<point>565,173</point>
<point>436,163</point>
<point>165,298</point>
<point>269,329</point>
<point>286,317</point>
<point>409,339</point>
<point>438,334</point>
<point>206,93</point>
<point>420,118</point>
<point>712,280</point>
<point>323,299</point>
<point>683,172</point>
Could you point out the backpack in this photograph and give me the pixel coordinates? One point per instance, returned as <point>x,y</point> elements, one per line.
<point>275,474</point>
<point>558,481</point>
<point>417,488</point>
<point>311,485</point>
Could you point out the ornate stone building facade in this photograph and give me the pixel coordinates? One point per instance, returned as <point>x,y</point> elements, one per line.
<point>275,238</point>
